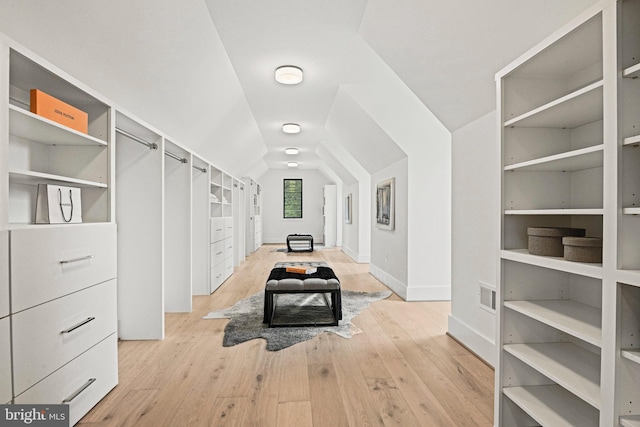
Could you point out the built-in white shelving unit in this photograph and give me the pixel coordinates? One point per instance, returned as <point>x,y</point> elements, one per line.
<point>58,311</point>
<point>568,332</point>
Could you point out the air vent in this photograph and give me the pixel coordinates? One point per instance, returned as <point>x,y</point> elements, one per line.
<point>487,297</point>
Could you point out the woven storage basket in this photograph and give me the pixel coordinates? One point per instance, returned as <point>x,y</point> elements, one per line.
<point>547,241</point>
<point>582,249</point>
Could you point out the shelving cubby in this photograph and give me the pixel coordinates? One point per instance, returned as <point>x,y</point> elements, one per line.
<point>555,135</point>
<point>628,375</point>
<point>140,217</point>
<point>200,227</point>
<point>215,192</point>
<point>629,133</point>
<point>177,228</point>
<point>42,151</point>
<point>552,338</point>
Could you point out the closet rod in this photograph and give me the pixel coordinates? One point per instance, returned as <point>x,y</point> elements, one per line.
<point>151,145</point>
<point>203,170</point>
<point>173,156</point>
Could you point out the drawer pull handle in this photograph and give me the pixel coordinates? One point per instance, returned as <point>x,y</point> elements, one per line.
<point>84,322</point>
<point>80,390</point>
<point>218,253</point>
<point>69,261</point>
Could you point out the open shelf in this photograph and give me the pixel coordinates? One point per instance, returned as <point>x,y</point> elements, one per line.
<point>629,277</point>
<point>630,421</point>
<point>25,124</point>
<point>551,405</point>
<point>34,178</point>
<point>585,158</point>
<point>556,263</point>
<point>554,211</point>
<point>632,72</point>
<point>570,111</point>
<point>579,320</point>
<point>633,355</point>
<point>631,140</point>
<point>570,366</point>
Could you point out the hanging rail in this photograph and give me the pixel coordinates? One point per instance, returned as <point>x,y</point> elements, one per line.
<point>151,145</point>
<point>203,170</point>
<point>173,156</point>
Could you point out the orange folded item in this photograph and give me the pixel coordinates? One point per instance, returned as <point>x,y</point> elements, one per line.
<point>52,108</point>
<point>301,270</point>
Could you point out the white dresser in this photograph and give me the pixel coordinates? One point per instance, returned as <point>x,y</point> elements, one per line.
<point>221,253</point>
<point>63,314</point>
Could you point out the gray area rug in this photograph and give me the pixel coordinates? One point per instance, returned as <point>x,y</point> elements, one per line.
<point>247,314</point>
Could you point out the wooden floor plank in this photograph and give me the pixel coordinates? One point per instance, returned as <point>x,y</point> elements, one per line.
<point>402,369</point>
<point>296,414</point>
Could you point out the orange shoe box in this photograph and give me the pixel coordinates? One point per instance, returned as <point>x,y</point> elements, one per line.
<point>53,109</point>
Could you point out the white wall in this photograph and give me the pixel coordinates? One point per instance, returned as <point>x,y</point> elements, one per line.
<point>274,227</point>
<point>475,225</point>
<point>134,54</point>
<point>389,259</point>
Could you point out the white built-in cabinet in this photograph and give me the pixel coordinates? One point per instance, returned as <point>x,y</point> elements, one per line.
<point>222,227</point>
<point>58,317</point>
<point>170,202</point>
<point>253,232</point>
<point>569,125</point>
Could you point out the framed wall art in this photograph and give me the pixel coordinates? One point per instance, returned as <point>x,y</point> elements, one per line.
<point>348,209</point>
<point>385,204</point>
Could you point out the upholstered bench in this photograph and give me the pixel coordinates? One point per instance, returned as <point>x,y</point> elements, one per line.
<point>300,243</point>
<point>324,282</point>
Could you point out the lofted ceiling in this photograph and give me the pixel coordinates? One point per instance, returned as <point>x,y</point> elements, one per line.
<point>202,70</point>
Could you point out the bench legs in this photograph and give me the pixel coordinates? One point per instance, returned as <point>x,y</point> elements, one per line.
<point>335,305</point>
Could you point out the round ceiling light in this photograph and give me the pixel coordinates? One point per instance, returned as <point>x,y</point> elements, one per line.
<point>291,151</point>
<point>289,75</point>
<point>292,164</point>
<point>291,128</point>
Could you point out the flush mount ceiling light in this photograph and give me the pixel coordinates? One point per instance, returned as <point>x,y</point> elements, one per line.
<point>291,151</point>
<point>289,75</point>
<point>291,128</point>
<point>292,164</point>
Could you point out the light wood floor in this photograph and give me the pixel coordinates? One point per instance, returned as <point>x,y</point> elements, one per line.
<point>402,370</point>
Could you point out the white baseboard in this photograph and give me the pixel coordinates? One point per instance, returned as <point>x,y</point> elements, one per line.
<point>480,344</point>
<point>411,293</point>
<point>360,259</point>
<point>394,284</point>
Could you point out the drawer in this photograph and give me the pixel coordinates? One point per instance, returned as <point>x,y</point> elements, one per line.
<point>5,361</point>
<point>50,262</point>
<point>217,276</point>
<point>228,227</point>
<point>216,229</point>
<point>44,337</point>
<point>4,274</point>
<point>228,267</point>
<point>228,246</point>
<point>217,253</point>
<point>89,378</point>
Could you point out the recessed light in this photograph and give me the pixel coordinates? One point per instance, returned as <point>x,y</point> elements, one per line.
<point>291,128</point>
<point>289,75</point>
<point>292,164</point>
<point>291,151</point>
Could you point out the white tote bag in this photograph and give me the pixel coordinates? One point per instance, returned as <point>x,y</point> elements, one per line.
<point>56,204</point>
